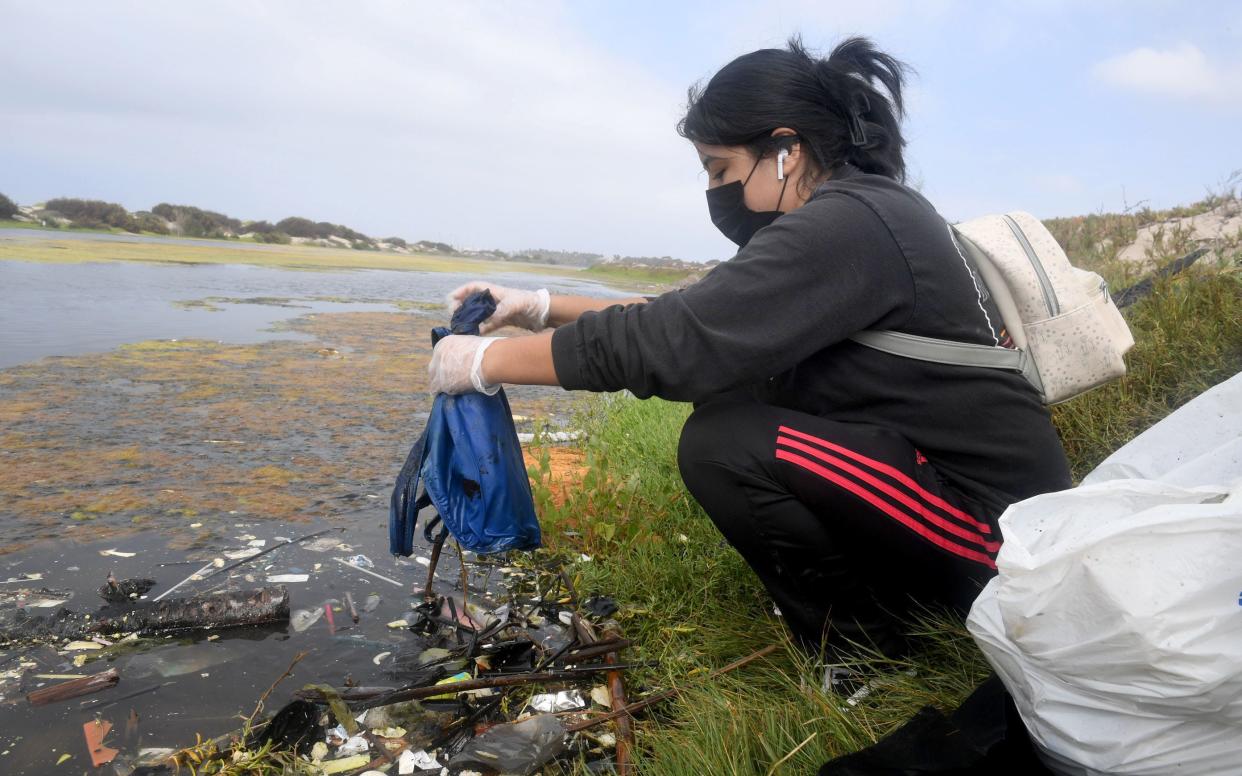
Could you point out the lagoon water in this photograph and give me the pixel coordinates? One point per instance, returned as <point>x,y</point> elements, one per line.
<point>71,309</point>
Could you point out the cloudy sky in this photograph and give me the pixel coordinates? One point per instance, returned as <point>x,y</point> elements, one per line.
<point>550,124</point>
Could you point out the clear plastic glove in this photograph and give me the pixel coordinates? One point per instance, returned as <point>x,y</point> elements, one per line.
<point>514,307</point>
<point>457,365</point>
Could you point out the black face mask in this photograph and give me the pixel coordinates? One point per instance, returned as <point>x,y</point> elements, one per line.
<point>727,206</point>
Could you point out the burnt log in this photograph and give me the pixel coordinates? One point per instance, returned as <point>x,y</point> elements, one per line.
<point>150,618</point>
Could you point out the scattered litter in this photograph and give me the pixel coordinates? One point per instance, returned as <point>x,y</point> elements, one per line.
<point>420,560</point>
<point>360,562</point>
<point>115,553</point>
<point>380,657</point>
<point>566,700</point>
<point>399,624</point>
<point>66,756</point>
<point>258,542</point>
<point>390,732</point>
<point>304,618</point>
<point>75,646</point>
<point>95,732</point>
<point>280,579</point>
<point>246,552</point>
<point>371,604</point>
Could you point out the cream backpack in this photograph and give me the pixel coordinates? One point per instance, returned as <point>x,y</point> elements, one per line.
<point>1068,335</point>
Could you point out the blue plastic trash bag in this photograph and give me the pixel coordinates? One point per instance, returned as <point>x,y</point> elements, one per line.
<point>469,462</point>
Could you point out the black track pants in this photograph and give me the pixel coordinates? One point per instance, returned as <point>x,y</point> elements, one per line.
<point>847,525</point>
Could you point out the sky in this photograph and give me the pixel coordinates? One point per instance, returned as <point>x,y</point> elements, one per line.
<point>550,124</point>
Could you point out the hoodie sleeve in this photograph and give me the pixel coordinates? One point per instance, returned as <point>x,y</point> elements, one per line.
<point>807,281</point>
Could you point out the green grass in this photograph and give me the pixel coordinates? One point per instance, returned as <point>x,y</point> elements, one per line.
<point>648,276</point>
<point>691,603</point>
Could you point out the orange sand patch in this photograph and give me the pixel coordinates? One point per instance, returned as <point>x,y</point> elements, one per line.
<point>568,467</point>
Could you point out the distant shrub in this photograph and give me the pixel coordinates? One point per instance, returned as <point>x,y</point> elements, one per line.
<point>319,230</point>
<point>196,222</point>
<point>92,213</point>
<point>278,238</point>
<point>8,208</point>
<point>149,222</point>
<point>397,241</point>
<point>258,227</point>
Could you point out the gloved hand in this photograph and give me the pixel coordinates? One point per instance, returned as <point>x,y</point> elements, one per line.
<point>457,365</point>
<point>514,307</point>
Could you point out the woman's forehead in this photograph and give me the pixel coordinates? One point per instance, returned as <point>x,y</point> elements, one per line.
<point>709,153</point>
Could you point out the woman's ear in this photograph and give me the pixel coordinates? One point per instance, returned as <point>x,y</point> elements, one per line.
<point>791,149</point>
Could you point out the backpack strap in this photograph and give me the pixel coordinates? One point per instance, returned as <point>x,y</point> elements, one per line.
<point>941,351</point>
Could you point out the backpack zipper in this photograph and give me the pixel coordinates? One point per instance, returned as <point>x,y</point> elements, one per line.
<point>1045,285</point>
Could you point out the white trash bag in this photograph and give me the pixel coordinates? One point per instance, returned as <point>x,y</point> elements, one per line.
<point>1115,620</point>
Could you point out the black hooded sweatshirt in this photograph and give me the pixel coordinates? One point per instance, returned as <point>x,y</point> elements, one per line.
<point>865,252</point>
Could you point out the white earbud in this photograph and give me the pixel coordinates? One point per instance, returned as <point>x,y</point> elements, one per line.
<point>780,163</point>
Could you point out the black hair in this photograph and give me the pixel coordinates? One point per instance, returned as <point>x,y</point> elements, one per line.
<point>845,108</point>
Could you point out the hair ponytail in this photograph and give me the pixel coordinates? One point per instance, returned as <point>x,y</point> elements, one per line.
<point>846,107</point>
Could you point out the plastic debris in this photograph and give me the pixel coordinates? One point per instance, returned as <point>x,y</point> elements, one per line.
<point>600,606</point>
<point>566,700</point>
<point>95,732</point>
<point>411,760</point>
<point>115,553</point>
<point>360,561</point>
<point>372,603</point>
<point>455,678</point>
<point>378,659</point>
<point>241,554</point>
<point>32,577</point>
<point>353,745</point>
<point>390,732</point>
<point>398,624</point>
<point>280,579</point>
<point>66,756</point>
<point>520,747</point>
<point>304,618</point>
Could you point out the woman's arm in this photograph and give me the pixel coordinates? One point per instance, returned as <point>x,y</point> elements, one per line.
<point>521,360</point>
<point>565,309</point>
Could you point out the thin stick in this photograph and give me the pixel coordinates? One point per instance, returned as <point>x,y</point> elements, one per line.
<point>288,673</point>
<point>487,682</point>
<point>167,592</point>
<point>389,580</point>
<point>436,549</point>
<point>465,578</point>
<point>666,694</point>
<point>778,763</point>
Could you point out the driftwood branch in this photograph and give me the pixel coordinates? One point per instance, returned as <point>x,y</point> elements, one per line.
<point>74,688</point>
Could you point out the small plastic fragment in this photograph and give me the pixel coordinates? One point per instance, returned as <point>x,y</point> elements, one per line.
<point>304,618</point>
<point>565,700</point>
<point>361,561</point>
<point>63,757</point>
<point>277,579</point>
